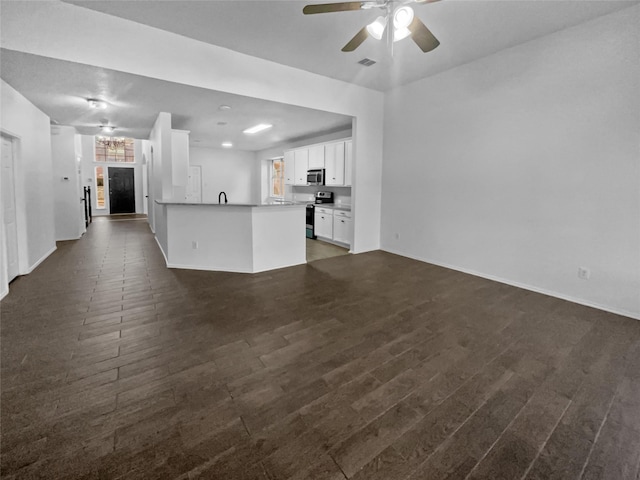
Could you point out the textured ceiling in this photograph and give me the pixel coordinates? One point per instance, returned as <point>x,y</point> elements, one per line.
<point>60,89</point>
<point>278,31</point>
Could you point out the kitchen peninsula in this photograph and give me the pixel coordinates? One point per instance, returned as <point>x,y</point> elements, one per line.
<point>245,238</point>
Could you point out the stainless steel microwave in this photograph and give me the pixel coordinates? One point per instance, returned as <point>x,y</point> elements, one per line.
<point>315,177</point>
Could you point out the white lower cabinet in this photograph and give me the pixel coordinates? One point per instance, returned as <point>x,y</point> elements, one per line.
<point>324,222</point>
<point>342,227</point>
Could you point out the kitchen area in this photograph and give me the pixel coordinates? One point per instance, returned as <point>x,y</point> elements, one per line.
<point>250,185</point>
<point>233,210</point>
<point>320,176</point>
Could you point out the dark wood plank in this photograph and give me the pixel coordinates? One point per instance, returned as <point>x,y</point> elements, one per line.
<point>369,366</point>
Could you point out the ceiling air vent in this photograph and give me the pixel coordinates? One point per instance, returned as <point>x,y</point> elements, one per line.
<point>367,62</point>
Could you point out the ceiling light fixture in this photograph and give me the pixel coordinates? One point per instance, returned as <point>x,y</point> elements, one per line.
<point>107,128</point>
<point>227,144</point>
<point>376,28</point>
<point>257,128</point>
<point>224,107</point>
<point>402,18</point>
<point>95,103</point>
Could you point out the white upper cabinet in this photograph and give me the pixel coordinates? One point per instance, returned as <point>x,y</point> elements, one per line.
<point>301,162</point>
<point>316,157</point>
<point>334,163</point>
<point>335,157</point>
<point>348,162</point>
<point>289,168</point>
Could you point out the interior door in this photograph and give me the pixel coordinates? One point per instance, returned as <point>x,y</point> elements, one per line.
<point>122,198</point>
<point>9,208</point>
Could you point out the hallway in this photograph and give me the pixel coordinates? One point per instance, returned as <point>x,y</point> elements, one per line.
<point>370,366</point>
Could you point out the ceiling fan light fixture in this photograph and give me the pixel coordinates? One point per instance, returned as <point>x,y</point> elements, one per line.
<point>402,17</point>
<point>401,33</point>
<point>107,128</point>
<point>376,28</point>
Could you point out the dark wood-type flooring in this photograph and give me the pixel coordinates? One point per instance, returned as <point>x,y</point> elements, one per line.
<point>366,367</point>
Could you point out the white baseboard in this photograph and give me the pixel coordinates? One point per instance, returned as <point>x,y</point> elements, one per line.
<point>44,257</point>
<point>278,268</point>
<point>191,267</point>
<point>524,286</point>
<point>68,239</point>
<point>166,260</point>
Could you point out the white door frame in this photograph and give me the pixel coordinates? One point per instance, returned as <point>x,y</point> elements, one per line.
<point>20,249</point>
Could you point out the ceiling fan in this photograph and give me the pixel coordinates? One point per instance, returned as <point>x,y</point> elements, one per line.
<point>397,14</point>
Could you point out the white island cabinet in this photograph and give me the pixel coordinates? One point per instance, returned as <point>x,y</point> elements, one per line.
<point>231,238</point>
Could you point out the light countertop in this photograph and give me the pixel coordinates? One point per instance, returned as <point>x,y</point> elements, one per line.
<point>216,204</point>
<point>334,206</point>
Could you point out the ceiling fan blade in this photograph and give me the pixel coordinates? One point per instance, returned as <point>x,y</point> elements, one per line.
<point>356,41</point>
<point>422,36</point>
<point>331,7</point>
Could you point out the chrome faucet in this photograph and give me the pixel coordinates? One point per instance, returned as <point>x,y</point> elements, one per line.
<point>220,195</point>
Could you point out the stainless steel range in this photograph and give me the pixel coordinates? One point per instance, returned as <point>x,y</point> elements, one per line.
<point>320,198</point>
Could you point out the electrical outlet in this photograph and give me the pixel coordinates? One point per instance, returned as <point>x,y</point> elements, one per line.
<point>194,245</point>
<point>584,273</point>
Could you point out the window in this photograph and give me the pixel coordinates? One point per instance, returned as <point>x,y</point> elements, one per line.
<point>100,188</point>
<point>277,177</point>
<point>114,149</point>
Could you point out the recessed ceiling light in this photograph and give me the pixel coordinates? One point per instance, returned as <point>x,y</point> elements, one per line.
<point>222,123</point>
<point>224,107</point>
<point>258,128</point>
<point>95,103</point>
<point>227,144</point>
<point>107,128</point>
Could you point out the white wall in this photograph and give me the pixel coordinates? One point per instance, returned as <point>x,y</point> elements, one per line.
<point>231,171</point>
<point>524,165</point>
<point>68,209</point>
<point>179,163</point>
<point>67,32</point>
<point>33,171</point>
<point>161,179</point>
